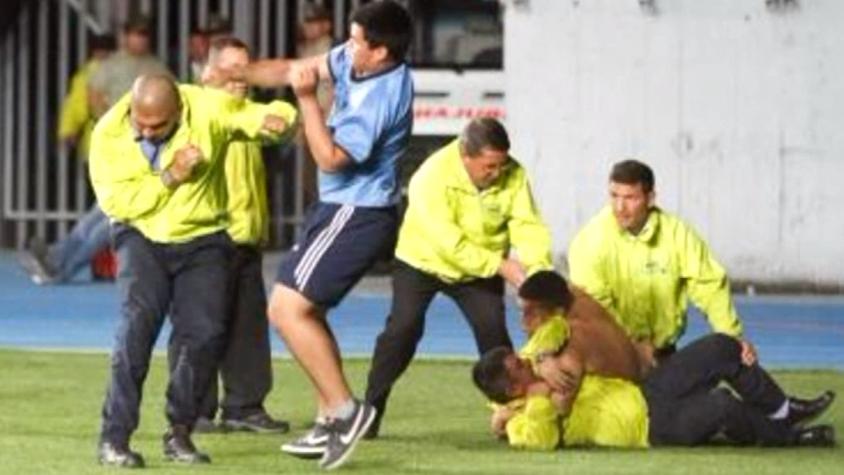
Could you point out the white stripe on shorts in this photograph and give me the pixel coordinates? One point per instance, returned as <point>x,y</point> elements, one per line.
<point>320,245</point>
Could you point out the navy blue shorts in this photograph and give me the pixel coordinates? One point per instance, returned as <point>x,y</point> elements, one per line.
<point>338,244</point>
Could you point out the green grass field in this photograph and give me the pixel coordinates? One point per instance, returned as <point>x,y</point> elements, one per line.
<point>437,423</point>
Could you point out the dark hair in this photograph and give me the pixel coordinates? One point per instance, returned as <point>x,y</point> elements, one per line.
<point>481,133</point>
<point>633,172</point>
<point>316,12</point>
<point>490,374</point>
<point>223,42</point>
<point>548,288</point>
<point>385,23</point>
<point>102,42</point>
<point>137,24</point>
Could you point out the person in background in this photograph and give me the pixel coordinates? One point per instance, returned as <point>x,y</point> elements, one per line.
<point>61,261</point>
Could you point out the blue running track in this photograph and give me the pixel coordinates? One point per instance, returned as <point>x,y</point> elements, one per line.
<point>789,331</point>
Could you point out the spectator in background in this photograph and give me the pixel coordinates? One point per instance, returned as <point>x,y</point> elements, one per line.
<point>108,82</point>
<point>199,44</point>
<point>315,39</point>
<point>116,74</point>
<point>76,121</point>
<point>246,367</point>
<point>61,261</point>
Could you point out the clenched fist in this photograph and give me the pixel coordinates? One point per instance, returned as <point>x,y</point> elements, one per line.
<point>184,161</point>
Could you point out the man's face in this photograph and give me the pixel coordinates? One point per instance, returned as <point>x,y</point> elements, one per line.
<point>485,168</point>
<point>630,205</point>
<point>153,124</point>
<point>198,44</point>
<point>232,59</point>
<point>365,58</point>
<point>519,373</point>
<point>136,43</point>
<point>314,29</point>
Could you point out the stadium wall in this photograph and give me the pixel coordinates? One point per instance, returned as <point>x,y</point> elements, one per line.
<point>737,105</point>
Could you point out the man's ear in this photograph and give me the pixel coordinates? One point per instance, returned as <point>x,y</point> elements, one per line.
<point>382,54</point>
<point>651,198</point>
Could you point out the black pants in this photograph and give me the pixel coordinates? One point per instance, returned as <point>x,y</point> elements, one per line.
<point>188,282</point>
<point>686,407</point>
<point>245,368</point>
<point>481,301</point>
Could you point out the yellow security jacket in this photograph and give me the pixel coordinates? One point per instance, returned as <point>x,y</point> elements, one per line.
<point>76,119</point>
<point>456,232</point>
<point>130,191</point>
<point>547,338</point>
<point>246,181</point>
<point>645,280</point>
<point>607,412</point>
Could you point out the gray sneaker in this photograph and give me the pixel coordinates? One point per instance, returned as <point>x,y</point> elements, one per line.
<point>260,422</point>
<point>309,446</point>
<point>344,434</point>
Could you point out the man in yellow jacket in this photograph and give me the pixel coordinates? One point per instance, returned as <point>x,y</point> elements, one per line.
<point>643,265</point>
<point>246,367</point>
<point>679,403</point>
<point>156,163</point>
<point>471,224</point>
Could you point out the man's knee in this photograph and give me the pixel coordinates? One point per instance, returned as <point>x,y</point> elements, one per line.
<point>723,345</point>
<point>288,306</point>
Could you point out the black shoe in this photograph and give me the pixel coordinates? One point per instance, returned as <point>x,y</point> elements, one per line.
<point>344,434</point>
<point>817,436</point>
<point>374,428</point>
<point>118,455</point>
<point>309,446</point>
<point>205,425</point>
<point>802,411</point>
<point>259,422</point>
<point>179,448</point>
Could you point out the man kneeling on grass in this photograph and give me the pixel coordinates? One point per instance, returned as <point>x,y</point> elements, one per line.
<point>679,403</point>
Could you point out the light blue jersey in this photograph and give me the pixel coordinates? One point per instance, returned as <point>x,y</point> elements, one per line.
<point>371,120</point>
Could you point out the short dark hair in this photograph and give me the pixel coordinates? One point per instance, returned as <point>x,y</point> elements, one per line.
<point>633,172</point>
<point>137,24</point>
<point>223,42</point>
<point>385,23</point>
<point>315,12</point>
<point>481,133</point>
<point>548,288</point>
<point>490,374</point>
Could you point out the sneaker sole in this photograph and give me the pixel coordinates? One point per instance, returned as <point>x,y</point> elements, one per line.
<point>302,453</point>
<point>364,428</point>
<point>245,427</point>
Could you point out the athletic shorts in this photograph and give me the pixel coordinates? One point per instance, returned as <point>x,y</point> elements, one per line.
<point>338,244</point>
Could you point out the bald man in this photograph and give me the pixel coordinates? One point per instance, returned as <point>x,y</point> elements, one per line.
<point>157,169</point>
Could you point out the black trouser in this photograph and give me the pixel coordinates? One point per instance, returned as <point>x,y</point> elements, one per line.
<point>481,301</point>
<point>245,368</point>
<point>685,408</point>
<point>186,281</point>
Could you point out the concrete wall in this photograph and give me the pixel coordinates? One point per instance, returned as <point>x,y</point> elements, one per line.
<point>738,108</point>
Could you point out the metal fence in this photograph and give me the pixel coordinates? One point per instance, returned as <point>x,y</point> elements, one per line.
<point>44,184</point>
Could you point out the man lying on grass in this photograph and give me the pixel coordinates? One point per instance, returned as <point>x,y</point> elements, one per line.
<point>678,403</point>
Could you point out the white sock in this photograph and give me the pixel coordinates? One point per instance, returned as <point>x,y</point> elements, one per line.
<point>345,410</point>
<point>780,413</point>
